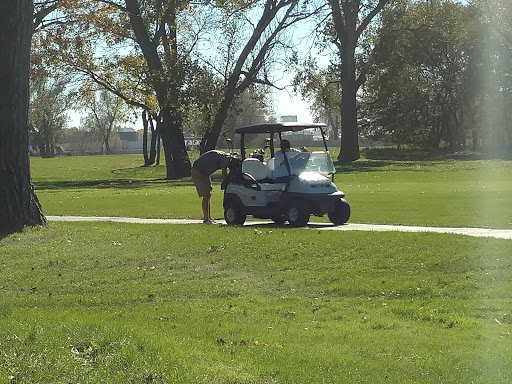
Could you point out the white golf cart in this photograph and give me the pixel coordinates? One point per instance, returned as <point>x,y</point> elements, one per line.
<point>291,192</point>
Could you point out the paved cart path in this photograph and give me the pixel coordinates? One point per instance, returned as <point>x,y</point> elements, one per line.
<point>475,232</point>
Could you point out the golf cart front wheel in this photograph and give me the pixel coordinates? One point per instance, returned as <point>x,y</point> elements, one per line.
<point>298,214</point>
<point>341,212</point>
<point>233,213</point>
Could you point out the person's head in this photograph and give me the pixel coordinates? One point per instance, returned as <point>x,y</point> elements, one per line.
<point>285,145</point>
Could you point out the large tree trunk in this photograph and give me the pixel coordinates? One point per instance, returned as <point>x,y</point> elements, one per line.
<point>177,162</point>
<point>166,86</point>
<point>210,138</point>
<point>345,16</point>
<point>145,138</point>
<point>18,203</point>
<point>349,147</point>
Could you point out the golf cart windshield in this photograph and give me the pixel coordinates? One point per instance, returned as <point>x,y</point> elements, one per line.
<point>317,161</point>
<point>300,162</point>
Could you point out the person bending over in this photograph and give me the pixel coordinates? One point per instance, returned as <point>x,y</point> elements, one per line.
<point>202,169</point>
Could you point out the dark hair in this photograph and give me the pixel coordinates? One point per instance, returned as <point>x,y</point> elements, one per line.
<point>285,144</point>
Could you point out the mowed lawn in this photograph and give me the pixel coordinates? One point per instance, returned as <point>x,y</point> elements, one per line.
<point>130,303</point>
<point>447,192</point>
<point>121,303</point>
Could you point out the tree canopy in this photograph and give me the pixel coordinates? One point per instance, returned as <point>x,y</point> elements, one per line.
<point>424,73</point>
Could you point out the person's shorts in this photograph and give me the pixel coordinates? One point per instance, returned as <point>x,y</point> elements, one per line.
<point>202,182</point>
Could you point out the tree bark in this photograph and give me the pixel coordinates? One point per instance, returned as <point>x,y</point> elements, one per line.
<point>209,140</point>
<point>345,16</point>
<point>18,203</point>
<point>177,161</point>
<point>145,138</point>
<point>349,151</point>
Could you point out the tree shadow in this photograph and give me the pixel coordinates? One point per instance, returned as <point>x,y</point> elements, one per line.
<point>360,166</point>
<point>374,159</point>
<point>109,184</point>
<point>408,154</point>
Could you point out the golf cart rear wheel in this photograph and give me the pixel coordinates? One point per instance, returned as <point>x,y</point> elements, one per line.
<point>297,214</point>
<point>233,213</point>
<point>279,219</point>
<point>341,212</point>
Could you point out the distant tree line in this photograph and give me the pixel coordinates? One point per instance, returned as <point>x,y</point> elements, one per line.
<point>437,74</point>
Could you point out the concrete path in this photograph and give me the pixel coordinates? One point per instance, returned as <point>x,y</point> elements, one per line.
<point>475,232</point>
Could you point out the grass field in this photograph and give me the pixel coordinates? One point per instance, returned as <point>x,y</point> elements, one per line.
<point>440,192</point>
<point>131,303</point>
<point>119,303</point>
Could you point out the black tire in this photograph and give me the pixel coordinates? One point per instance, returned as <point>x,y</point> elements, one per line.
<point>341,212</point>
<point>279,219</point>
<point>233,213</point>
<point>297,213</point>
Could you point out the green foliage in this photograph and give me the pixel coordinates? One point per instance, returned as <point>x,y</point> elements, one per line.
<point>323,89</point>
<point>49,103</point>
<point>437,78</point>
<point>415,94</point>
<point>93,302</point>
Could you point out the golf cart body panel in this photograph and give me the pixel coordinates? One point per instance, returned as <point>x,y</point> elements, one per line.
<point>291,190</point>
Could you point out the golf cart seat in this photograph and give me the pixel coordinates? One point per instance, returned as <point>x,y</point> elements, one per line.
<point>256,169</point>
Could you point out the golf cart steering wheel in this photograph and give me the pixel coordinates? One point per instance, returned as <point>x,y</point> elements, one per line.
<point>251,182</point>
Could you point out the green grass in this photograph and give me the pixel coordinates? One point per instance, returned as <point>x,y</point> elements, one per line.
<point>120,303</point>
<point>439,191</point>
<point>128,303</point>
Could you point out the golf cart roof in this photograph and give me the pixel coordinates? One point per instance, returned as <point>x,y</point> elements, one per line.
<point>277,127</point>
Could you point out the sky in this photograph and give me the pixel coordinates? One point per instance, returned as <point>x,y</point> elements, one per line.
<point>289,104</point>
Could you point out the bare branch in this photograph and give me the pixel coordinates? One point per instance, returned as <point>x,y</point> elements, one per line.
<point>114,4</point>
<point>264,81</point>
<point>109,87</point>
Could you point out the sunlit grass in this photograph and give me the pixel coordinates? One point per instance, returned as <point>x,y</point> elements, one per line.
<point>118,303</point>
<point>441,192</point>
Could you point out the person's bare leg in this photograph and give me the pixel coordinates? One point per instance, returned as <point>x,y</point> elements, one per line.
<point>205,205</point>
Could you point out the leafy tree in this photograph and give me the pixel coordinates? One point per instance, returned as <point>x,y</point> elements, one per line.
<point>350,18</point>
<point>252,40</point>
<point>19,205</point>
<point>492,105</point>
<point>106,113</point>
<point>49,103</point>
<point>415,89</point>
<point>322,88</point>
<point>130,48</point>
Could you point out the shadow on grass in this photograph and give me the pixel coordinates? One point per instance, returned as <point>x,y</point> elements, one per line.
<point>375,159</point>
<point>109,184</point>
<point>394,154</point>
<point>271,224</point>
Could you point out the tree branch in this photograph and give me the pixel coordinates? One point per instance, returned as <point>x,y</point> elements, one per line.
<point>338,20</point>
<point>369,17</point>
<point>94,77</point>
<point>114,4</point>
<point>43,12</point>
